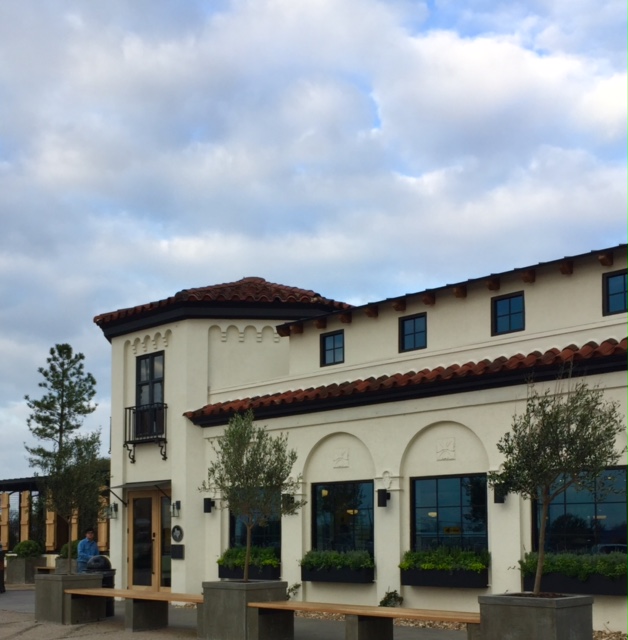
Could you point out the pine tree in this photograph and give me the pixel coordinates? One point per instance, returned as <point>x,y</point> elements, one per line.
<point>71,473</point>
<point>60,411</point>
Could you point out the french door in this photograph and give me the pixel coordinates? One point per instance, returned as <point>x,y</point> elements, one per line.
<point>149,541</point>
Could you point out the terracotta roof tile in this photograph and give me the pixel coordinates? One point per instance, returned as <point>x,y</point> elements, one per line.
<point>251,290</point>
<point>388,383</point>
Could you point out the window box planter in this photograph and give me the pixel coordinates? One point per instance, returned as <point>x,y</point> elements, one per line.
<point>456,579</point>
<point>343,574</point>
<point>595,585</point>
<point>588,574</point>
<point>338,566</point>
<point>255,573</point>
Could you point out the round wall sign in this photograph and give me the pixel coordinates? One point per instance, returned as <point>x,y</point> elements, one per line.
<point>177,533</point>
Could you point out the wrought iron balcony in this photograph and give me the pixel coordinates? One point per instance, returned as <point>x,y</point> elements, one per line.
<point>146,423</point>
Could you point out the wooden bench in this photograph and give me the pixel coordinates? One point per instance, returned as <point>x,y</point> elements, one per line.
<point>276,619</point>
<point>143,610</point>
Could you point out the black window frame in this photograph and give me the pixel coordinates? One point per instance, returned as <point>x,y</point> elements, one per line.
<point>336,542</point>
<point>606,294</point>
<point>152,381</point>
<point>324,350</point>
<point>402,332</point>
<point>439,539</point>
<point>494,317</point>
<point>570,541</point>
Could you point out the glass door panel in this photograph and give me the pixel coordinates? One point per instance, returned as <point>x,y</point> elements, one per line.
<point>142,542</point>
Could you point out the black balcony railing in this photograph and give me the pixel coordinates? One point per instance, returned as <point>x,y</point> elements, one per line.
<point>146,423</point>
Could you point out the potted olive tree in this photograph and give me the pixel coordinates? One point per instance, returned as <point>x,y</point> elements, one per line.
<point>250,476</point>
<point>563,439</point>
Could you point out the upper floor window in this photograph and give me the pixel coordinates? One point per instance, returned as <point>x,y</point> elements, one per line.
<point>342,516</point>
<point>149,413</point>
<point>583,520</point>
<point>413,332</point>
<point>332,348</point>
<point>507,314</point>
<point>614,292</point>
<point>449,511</point>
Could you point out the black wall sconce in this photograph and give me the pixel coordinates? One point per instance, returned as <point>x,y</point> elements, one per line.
<point>383,496</point>
<point>176,508</point>
<point>499,494</point>
<point>208,505</point>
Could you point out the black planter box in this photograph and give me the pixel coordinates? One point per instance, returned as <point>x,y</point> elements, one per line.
<point>355,576</point>
<point>595,585</point>
<point>452,580</point>
<point>255,573</point>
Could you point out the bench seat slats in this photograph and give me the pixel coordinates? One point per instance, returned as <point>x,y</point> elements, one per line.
<point>375,612</point>
<point>130,594</point>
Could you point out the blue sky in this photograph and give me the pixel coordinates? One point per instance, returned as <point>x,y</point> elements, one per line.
<point>360,148</point>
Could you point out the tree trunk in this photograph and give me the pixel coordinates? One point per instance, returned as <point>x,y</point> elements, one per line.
<point>247,556</point>
<point>541,553</point>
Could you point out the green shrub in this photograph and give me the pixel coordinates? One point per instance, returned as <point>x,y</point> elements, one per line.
<point>317,560</point>
<point>27,549</point>
<point>577,565</point>
<point>64,550</point>
<point>260,557</point>
<point>391,599</point>
<point>446,559</point>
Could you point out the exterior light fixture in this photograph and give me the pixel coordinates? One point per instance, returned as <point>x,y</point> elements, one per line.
<point>112,511</point>
<point>175,508</point>
<point>208,505</point>
<point>383,496</point>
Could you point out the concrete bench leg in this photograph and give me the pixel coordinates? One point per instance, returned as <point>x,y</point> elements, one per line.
<point>142,615</point>
<point>473,632</point>
<point>368,628</point>
<point>269,624</point>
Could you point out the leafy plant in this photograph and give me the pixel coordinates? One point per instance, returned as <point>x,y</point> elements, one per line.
<point>27,549</point>
<point>63,553</point>
<point>446,559</point>
<point>391,599</point>
<point>260,557</point>
<point>291,591</point>
<point>577,565</point>
<point>562,440</point>
<point>321,560</point>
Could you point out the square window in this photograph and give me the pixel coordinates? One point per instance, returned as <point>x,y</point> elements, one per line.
<point>332,348</point>
<point>413,333</point>
<point>342,516</point>
<point>614,293</point>
<point>449,511</point>
<point>508,314</point>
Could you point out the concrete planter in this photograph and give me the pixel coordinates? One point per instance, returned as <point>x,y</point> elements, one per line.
<point>22,570</point>
<point>61,566</point>
<point>523,617</point>
<point>226,615</point>
<point>52,605</point>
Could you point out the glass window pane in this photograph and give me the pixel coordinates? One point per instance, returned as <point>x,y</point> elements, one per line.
<point>158,366</point>
<point>425,492</point>
<point>448,492</point>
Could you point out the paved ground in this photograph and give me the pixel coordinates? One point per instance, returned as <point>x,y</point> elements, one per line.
<point>17,622</point>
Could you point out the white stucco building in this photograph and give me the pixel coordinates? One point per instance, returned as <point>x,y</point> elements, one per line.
<point>408,394</point>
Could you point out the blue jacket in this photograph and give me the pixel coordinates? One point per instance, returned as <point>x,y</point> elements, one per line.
<point>86,549</point>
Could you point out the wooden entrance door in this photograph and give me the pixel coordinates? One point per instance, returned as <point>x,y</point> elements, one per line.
<point>149,541</point>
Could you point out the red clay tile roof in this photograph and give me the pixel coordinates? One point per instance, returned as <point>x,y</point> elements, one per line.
<point>252,290</point>
<point>517,369</point>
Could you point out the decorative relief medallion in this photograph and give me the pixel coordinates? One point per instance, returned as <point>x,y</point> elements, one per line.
<point>446,449</point>
<point>341,458</point>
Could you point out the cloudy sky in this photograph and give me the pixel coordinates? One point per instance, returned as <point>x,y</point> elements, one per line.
<point>360,148</point>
